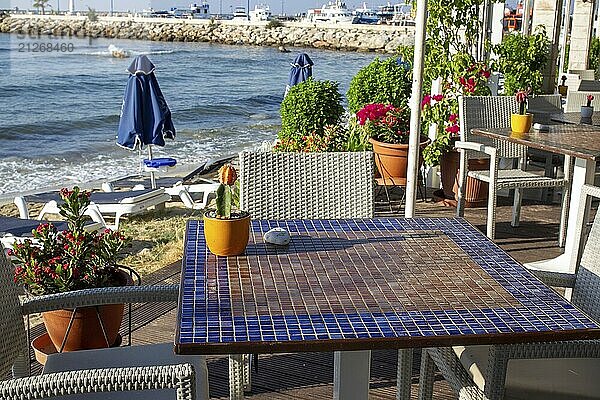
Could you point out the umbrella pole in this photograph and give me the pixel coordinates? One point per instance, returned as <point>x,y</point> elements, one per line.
<point>415,113</point>
<point>152,177</point>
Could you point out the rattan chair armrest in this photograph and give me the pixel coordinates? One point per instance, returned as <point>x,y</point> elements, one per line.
<point>478,147</point>
<point>564,349</point>
<point>100,296</point>
<point>556,279</point>
<point>180,377</point>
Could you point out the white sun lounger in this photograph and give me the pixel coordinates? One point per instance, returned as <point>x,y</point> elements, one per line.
<point>108,204</point>
<point>14,229</point>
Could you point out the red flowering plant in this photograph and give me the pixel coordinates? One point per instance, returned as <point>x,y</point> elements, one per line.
<point>589,99</point>
<point>521,97</point>
<point>468,78</point>
<point>333,138</point>
<point>60,261</point>
<point>385,123</point>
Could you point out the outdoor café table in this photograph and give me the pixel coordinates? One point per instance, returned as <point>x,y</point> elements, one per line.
<point>574,118</point>
<point>579,141</point>
<point>351,286</point>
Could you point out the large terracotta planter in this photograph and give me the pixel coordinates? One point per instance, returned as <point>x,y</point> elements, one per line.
<point>392,160</point>
<point>86,331</point>
<point>476,191</point>
<point>227,237</point>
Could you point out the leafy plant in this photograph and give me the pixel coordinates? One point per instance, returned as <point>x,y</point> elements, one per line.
<point>357,138</point>
<point>42,4</point>
<point>61,261</point>
<point>382,81</point>
<point>594,56</point>
<point>92,16</point>
<point>308,109</point>
<point>522,59</point>
<point>274,23</point>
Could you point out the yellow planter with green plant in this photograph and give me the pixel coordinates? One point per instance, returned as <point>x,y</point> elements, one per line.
<point>226,232</point>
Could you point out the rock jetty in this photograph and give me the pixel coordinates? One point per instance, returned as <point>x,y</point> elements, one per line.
<point>384,39</point>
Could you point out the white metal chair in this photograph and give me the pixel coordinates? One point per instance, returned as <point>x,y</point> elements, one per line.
<point>560,370</point>
<point>494,112</point>
<point>129,373</point>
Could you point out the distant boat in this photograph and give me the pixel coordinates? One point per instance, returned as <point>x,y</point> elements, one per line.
<point>365,15</point>
<point>239,14</point>
<point>201,11</point>
<point>334,12</point>
<point>261,12</point>
<point>398,14</point>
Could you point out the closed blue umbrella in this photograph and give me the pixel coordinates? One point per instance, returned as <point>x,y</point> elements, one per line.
<point>145,115</point>
<point>301,70</point>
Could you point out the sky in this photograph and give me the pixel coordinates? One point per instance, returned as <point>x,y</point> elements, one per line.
<point>289,6</point>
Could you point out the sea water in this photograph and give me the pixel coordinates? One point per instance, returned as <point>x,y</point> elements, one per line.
<point>59,108</point>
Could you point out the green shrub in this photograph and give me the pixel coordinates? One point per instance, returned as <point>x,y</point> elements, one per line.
<point>308,108</point>
<point>594,57</point>
<point>274,23</point>
<point>522,59</point>
<point>383,82</point>
<point>92,16</point>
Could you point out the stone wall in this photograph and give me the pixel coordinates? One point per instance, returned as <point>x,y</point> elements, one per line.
<point>336,37</point>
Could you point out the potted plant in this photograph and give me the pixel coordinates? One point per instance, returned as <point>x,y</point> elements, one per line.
<point>61,261</point>
<point>389,130</point>
<point>587,111</point>
<point>521,122</point>
<point>226,231</point>
<point>563,88</point>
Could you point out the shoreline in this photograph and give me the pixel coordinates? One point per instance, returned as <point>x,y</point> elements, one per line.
<point>350,37</point>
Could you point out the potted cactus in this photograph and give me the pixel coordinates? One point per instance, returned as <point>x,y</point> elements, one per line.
<point>587,111</point>
<point>226,230</point>
<point>521,122</point>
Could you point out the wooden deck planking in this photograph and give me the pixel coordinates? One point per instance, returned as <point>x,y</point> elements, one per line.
<point>310,375</point>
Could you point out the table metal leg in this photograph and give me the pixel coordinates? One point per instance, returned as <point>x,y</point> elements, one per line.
<point>404,377</point>
<point>352,372</point>
<point>583,173</point>
<point>236,377</point>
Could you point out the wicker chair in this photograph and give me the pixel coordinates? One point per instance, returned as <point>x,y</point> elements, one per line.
<point>304,186</point>
<point>315,185</point>
<point>558,370</point>
<point>90,374</point>
<point>494,112</point>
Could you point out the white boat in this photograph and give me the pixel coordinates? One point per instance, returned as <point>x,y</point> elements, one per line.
<point>261,12</point>
<point>334,12</point>
<point>365,15</point>
<point>201,11</point>
<point>239,14</point>
<point>398,14</point>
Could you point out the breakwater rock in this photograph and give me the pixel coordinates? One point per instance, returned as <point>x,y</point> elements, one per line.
<point>335,37</point>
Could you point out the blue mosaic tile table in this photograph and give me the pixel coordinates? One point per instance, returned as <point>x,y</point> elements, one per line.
<point>365,284</point>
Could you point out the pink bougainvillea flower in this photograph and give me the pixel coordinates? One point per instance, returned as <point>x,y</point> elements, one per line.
<point>453,117</point>
<point>454,129</point>
<point>438,97</point>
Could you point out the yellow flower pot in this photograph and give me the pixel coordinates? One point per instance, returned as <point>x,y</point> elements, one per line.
<point>227,237</point>
<point>521,123</point>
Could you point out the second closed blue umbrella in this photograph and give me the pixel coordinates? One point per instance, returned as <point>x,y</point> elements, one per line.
<point>301,70</point>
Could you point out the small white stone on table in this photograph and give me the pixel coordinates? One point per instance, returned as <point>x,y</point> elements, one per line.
<point>277,236</point>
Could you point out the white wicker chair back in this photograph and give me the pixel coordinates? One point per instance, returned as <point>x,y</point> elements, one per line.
<point>545,103</point>
<point>307,185</point>
<point>489,112</point>
<point>577,99</point>
<point>586,292</point>
<point>13,343</point>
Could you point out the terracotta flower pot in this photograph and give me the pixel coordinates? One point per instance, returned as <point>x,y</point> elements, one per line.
<point>392,160</point>
<point>521,123</point>
<point>476,191</point>
<point>86,332</point>
<point>227,237</point>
